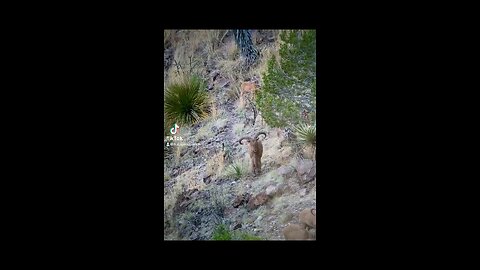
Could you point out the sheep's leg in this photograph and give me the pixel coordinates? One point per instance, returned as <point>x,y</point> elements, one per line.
<point>259,166</point>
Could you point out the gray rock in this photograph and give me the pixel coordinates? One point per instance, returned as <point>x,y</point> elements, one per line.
<point>284,170</point>
<point>303,192</point>
<point>271,190</point>
<point>304,166</point>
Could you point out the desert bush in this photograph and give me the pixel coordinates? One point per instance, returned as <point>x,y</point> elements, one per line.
<point>186,101</point>
<point>290,82</point>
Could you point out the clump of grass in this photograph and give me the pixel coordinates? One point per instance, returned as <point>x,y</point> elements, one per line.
<point>186,101</point>
<point>246,236</point>
<point>221,232</point>
<point>232,51</point>
<point>236,170</point>
<point>307,134</point>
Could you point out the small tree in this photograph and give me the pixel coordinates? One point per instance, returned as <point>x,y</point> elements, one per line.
<point>290,83</point>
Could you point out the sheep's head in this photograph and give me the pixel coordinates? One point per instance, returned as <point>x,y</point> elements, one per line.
<point>255,149</point>
<point>251,141</point>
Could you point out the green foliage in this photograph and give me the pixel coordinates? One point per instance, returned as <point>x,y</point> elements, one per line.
<point>236,170</point>
<point>246,236</point>
<point>290,87</point>
<point>221,232</point>
<point>186,101</point>
<point>306,134</point>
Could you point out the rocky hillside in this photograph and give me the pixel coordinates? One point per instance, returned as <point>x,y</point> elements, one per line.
<point>208,178</point>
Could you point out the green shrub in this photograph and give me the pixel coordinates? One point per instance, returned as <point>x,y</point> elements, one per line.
<point>290,86</point>
<point>306,134</point>
<point>236,170</point>
<point>246,236</point>
<point>186,101</point>
<point>222,233</point>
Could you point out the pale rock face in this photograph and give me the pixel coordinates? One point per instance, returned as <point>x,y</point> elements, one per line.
<point>271,190</point>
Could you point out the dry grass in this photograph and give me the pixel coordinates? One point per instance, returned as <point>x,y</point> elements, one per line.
<point>183,182</point>
<point>233,93</point>
<point>231,50</point>
<point>238,130</point>
<point>204,131</point>
<point>216,113</point>
<point>221,122</point>
<point>213,109</point>
<point>172,194</point>
<point>241,102</point>
<point>265,179</point>
<point>216,165</point>
<point>212,40</point>
<point>230,66</point>
<point>178,149</point>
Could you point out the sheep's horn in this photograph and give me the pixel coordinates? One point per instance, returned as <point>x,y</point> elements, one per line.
<point>258,134</point>
<point>313,210</point>
<point>244,138</point>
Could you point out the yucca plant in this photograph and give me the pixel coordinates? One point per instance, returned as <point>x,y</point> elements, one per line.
<point>236,170</point>
<point>307,135</point>
<point>186,101</point>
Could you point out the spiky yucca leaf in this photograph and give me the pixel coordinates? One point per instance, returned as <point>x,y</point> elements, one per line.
<point>186,101</point>
<point>306,134</point>
<point>236,170</point>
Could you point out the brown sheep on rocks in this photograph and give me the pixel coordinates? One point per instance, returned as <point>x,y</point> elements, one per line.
<point>255,149</point>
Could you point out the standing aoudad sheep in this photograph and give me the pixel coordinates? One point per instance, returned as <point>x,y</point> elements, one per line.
<point>255,149</point>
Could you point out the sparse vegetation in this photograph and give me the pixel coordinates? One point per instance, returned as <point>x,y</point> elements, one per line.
<point>223,233</point>
<point>307,135</point>
<point>236,170</point>
<point>209,190</point>
<point>290,82</point>
<point>186,101</point>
